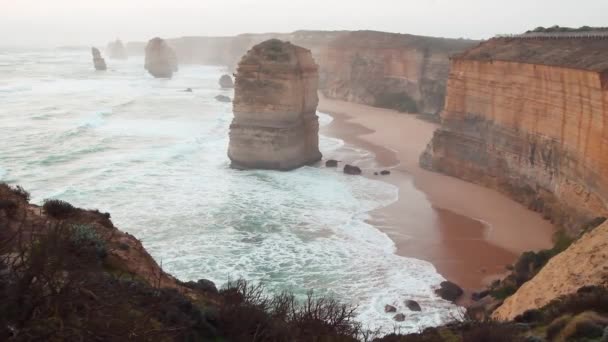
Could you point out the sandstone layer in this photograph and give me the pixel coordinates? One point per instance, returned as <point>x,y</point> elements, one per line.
<point>161,61</point>
<point>275,124</point>
<point>584,263</point>
<point>116,50</point>
<point>397,71</point>
<point>98,62</point>
<point>529,117</point>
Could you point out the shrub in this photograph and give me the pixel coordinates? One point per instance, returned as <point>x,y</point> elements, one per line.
<point>57,208</point>
<point>397,101</point>
<point>85,236</point>
<point>9,207</point>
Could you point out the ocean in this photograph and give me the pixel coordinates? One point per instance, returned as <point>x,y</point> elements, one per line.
<point>154,156</point>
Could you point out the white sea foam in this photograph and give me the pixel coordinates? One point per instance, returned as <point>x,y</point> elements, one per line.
<point>155,157</point>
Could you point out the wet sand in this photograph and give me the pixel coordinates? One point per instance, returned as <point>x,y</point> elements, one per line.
<point>470,233</point>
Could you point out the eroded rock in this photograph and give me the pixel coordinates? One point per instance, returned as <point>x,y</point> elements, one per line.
<point>352,170</point>
<point>331,163</point>
<point>161,61</point>
<point>449,291</point>
<point>116,50</point>
<point>226,81</point>
<point>413,305</point>
<point>275,124</point>
<point>98,61</point>
<point>389,308</point>
<point>399,317</point>
<point>223,98</point>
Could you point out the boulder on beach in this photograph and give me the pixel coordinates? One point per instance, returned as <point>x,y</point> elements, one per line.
<point>275,123</point>
<point>116,50</point>
<point>226,82</point>
<point>449,291</point>
<point>389,308</point>
<point>385,172</point>
<point>98,62</point>
<point>161,61</point>
<point>223,98</point>
<point>331,163</point>
<point>399,317</point>
<point>413,305</point>
<point>352,170</point>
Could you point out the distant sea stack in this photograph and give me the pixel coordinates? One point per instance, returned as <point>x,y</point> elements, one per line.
<point>226,82</point>
<point>161,61</point>
<point>98,61</point>
<point>116,50</point>
<point>275,124</point>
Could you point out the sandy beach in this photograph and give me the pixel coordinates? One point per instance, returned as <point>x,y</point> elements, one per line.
<point>473,233</point>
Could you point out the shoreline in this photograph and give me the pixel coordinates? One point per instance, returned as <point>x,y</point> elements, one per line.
<point>472,232</point>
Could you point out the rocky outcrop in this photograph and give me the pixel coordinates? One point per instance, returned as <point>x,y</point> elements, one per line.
<point>275,124</point>
<point>116,50</point>
<point>161,61</point>
<point>529,117</point>
<point>584,263</point>
<point>98,61</point>
<point>398,71</point>
<point>449,291</point>
<point>226,82</point>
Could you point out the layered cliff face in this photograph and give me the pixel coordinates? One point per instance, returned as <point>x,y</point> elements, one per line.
<point>98,62</point>
<point>161,61</point>
<point>529,117</point>
<point>585,263</point>
<point>397,71</point>
<point>275,124</point>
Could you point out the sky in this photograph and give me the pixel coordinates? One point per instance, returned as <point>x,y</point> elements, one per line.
<point>85,22</point>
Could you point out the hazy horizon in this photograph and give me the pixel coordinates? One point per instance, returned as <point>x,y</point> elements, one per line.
<point>72,22</point>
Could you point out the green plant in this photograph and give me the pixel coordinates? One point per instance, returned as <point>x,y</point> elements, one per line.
<point>57,208</point>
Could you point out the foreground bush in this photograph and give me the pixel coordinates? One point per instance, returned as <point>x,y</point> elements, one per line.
<point>58,209</point>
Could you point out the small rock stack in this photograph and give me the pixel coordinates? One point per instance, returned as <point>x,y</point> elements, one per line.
<point>116,50</point>
<point>98,61</point>
<point>161,61</point>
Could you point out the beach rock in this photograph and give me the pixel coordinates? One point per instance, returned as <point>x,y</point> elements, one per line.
<point>375,173</point>
<point>331,163</point>
<point>188,90</point>
<point>449,291</point>
<point>413,305</point>
<point>98,61</point>
<point>352,170</point>
<point>223,98</point>
<point>389,308</point>
<point>385,172</point>
<point>477,296</point>
<point>161,61</point>
<point>116,50</point>
<point>275,124</point>
<point>226,81</point>
<point>399,317</point>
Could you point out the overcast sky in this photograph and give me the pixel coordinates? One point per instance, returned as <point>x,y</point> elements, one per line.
<point>70,22</point>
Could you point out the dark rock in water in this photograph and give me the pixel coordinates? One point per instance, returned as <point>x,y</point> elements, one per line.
<point>202,285</point>
<point>116,50</point>
<point>98,61</point>
<point>390,308</point>
<point>223,98</point>
<point>399,317</point>
<point>413,305</point>
<point>226,81</point>
<point>477,296</point>
<point>385,172</point>
<point>161,61</point>
<point>352,170</point>
<point>449,291</point>
<point>188,90</point>
<point>375,173</point>
<point>331,163</point>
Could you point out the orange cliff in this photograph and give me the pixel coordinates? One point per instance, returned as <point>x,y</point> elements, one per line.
<point>529,117</point>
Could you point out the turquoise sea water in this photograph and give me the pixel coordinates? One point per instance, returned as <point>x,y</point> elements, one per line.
<point>155,158</point>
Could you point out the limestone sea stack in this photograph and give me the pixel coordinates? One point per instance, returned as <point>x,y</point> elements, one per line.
<point>275,124</point>
<point>161,61</point>
<point>98,61</point>
<point>226,82</point>
<point>116,50</point>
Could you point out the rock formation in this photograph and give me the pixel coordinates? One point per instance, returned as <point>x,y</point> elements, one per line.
<point>584,263</point>
<point>226,81</point>
<point>116,50</point>
<point>98,61</point>
<point>161,61</point>
<point>529,117</point>
<point>275,124</point>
